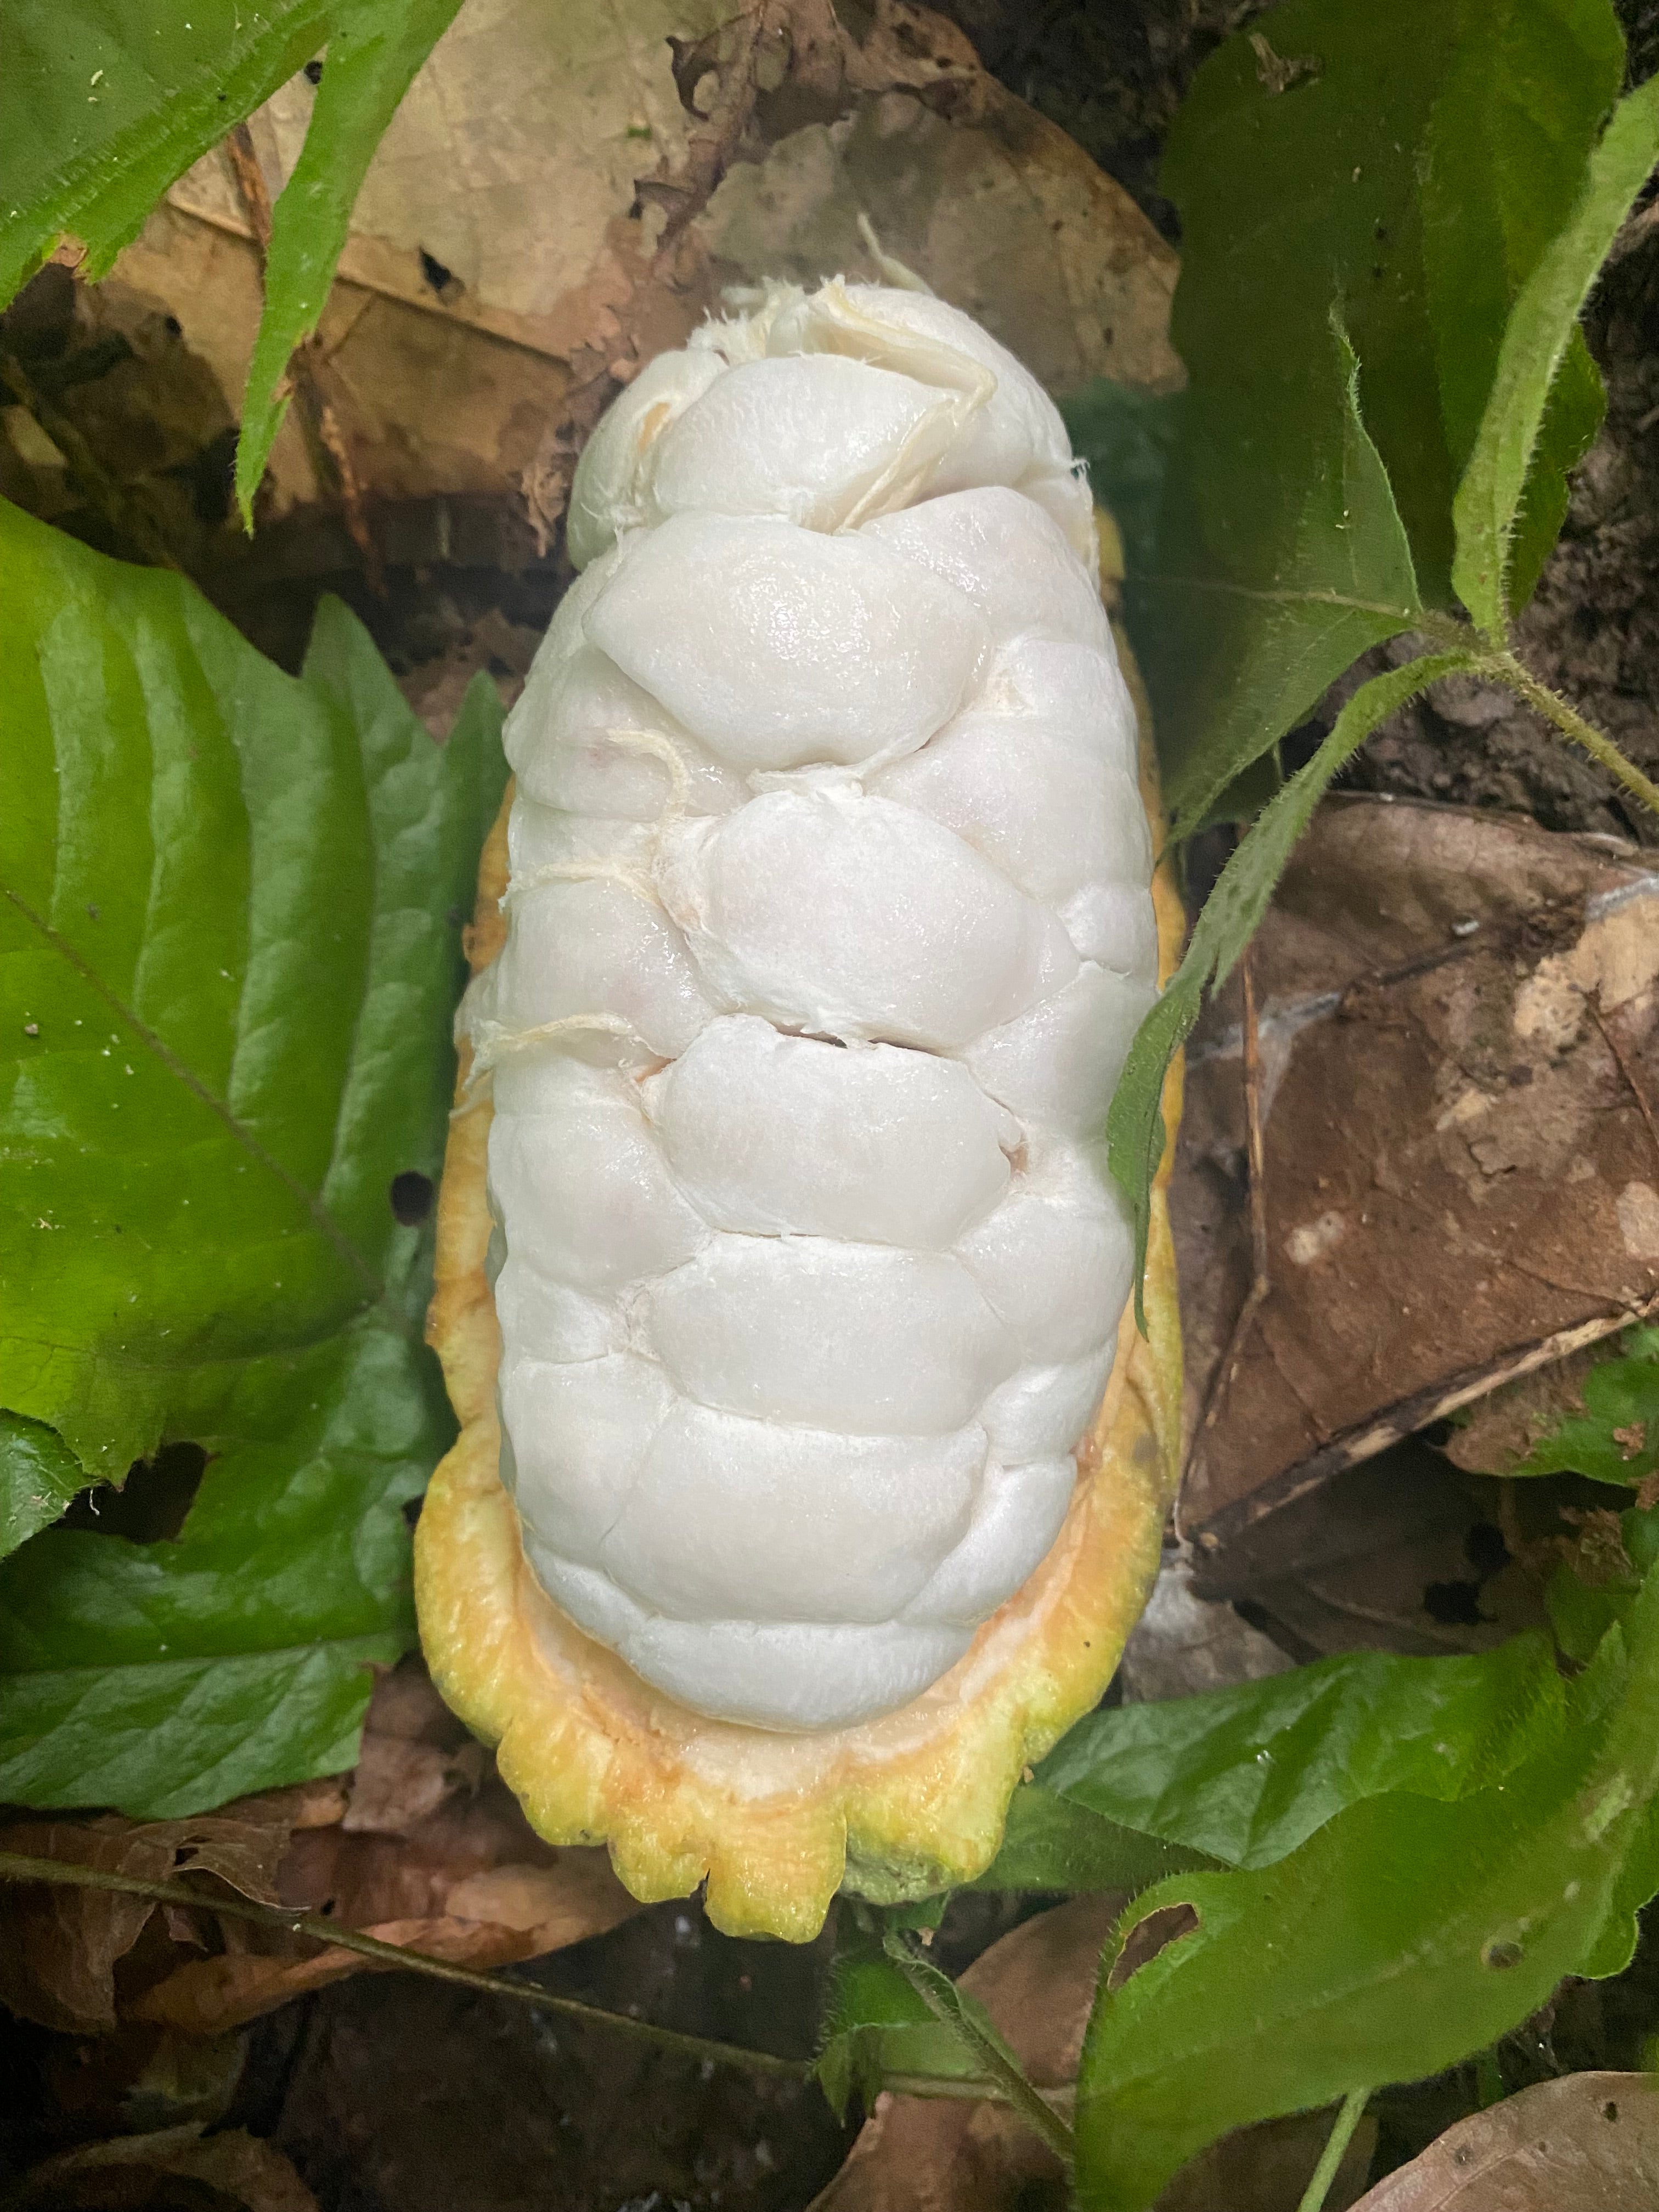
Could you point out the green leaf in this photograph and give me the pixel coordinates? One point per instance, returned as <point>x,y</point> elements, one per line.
<point>877,2026</point>
<point>1413,174</point>
<point>1247,1774</point>
<point>1401,1938</point>
<point>1126,437</point>
<point>1582,1610</point>
<point>1055,1842</point>
<point>967,2018</point>
<point>229,945</point>
<point>165,1678</point>
<point>373,51</point>
<point>1535,340</point>
<point>102,108</point>
<point>1231,916</point>
<point>39,1475</point>
<point>1616,1438</point>
<point>1577,404</point>
<point>1240,658</point>
<point>229,949</point>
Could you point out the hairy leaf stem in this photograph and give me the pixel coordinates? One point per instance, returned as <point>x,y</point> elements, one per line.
<point>941,1998</point>
<point>1574,726</point>
<point>1496,661</point>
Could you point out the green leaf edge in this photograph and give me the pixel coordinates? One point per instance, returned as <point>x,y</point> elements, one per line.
<point>1535,339</point>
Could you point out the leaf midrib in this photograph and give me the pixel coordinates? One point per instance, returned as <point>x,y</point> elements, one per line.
<point>184,1074</point>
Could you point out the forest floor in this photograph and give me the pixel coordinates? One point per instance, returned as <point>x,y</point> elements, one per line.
<point>394,2095</point>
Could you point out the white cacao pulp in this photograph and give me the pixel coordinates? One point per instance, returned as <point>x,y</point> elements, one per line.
<point>830,927</point>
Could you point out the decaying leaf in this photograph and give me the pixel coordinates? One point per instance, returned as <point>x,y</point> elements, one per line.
<point>125,2173</point>
<point>1400,1553</point>
<point>60,1946</point>
<point>1588,2142</point>
<point>614,181</point>
<point>422,1845</point>
<point>1459,1036</point>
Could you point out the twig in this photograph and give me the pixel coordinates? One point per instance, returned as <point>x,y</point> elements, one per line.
<point>319,418</point>
<point>16,1866</point>
<point>1341,2134</point>
<point>251,183</point>
<point>1255,1165</point>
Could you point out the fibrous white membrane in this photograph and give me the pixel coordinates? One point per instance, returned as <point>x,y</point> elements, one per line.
<point>828,928</point>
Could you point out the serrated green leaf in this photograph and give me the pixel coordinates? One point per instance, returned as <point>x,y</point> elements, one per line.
<point>1536,338</point>
<point>39,1475</point>
<point>1412,174</point>
<point>229,948</point>
<point>373,51</point>
<point>1056,1842</point>
<point>102,108</point>
<point>1231,916</point>
<point>165,1678</point>
<point>1247,1774</point>
<point>1401,1938</point>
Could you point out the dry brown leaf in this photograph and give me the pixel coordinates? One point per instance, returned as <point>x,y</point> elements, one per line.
<point>422,1847</point>
<point>58,1957</point>
<point>127,2174</point>
<point>1588,2142</point>
<point>1460,1029</point>
<point>430,1852</point>
<point>919,2154</point>
<point>538,223</point>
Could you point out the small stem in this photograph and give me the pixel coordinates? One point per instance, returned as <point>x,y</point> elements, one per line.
<point>971,2088</point>
<point>1026,2100</point>
<point>15,1866</point>
<point>1319,2188</point>
<point>1573,725</point>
